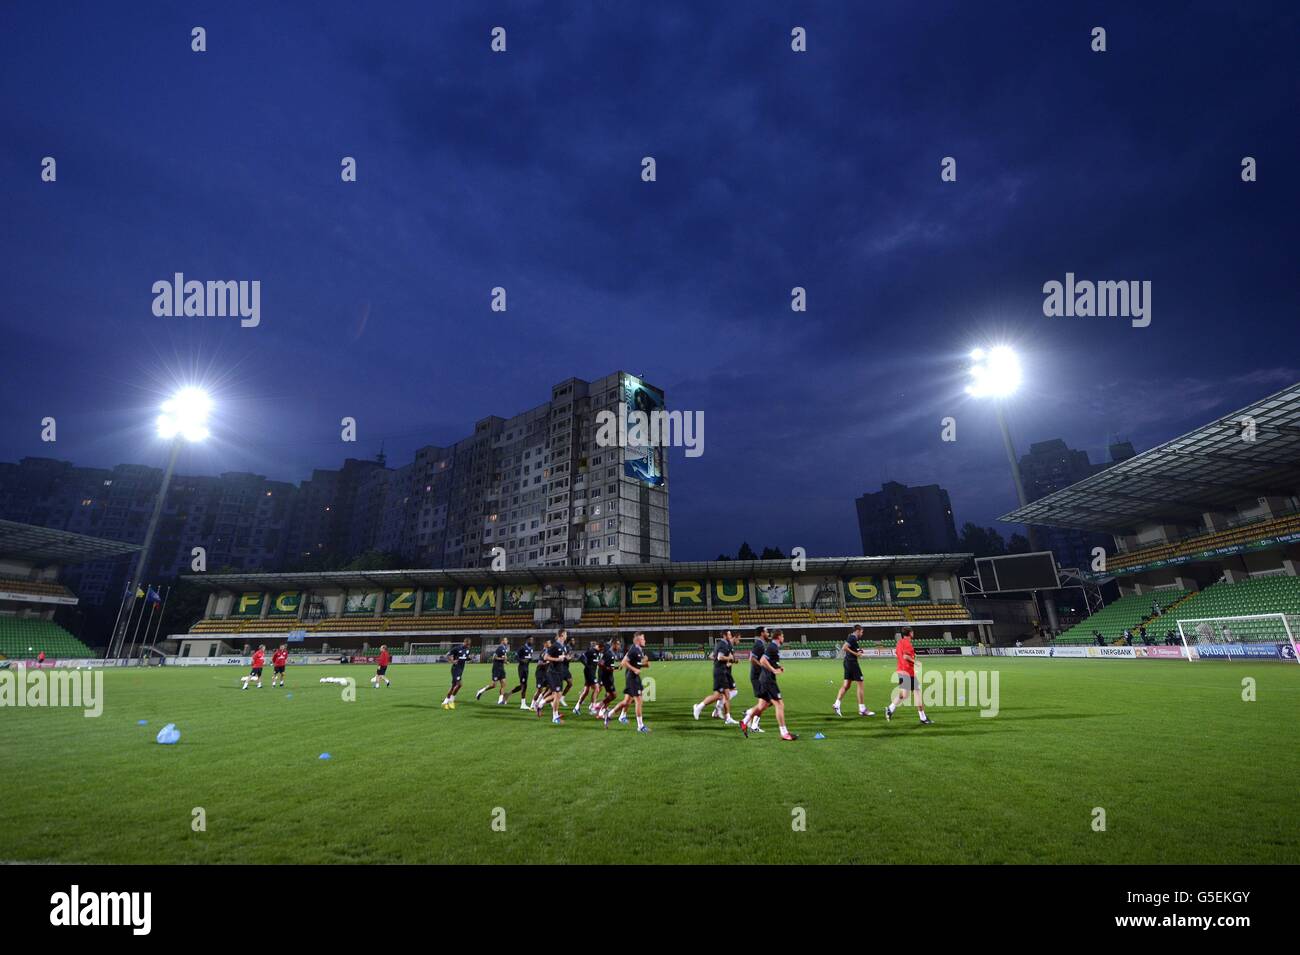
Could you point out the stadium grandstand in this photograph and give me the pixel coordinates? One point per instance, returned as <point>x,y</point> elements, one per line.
<point>679,605</point>
<point>30,593</point>
<point>1206,530</point>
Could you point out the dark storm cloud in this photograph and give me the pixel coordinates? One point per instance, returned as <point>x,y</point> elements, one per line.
<point>775,170</point>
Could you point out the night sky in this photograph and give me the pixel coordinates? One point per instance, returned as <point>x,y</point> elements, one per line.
<point>522,170</point>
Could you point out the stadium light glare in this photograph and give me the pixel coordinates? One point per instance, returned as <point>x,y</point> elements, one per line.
<point>185,414</point>
<point>184,419</point>
<point>994,373</point>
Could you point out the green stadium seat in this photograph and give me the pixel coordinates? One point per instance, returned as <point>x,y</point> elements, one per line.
<point>17,634</point>
<point>1275,594</point>
<point>1126,613</point>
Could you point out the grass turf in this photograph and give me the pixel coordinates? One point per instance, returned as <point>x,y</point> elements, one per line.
<point>1186,771</point>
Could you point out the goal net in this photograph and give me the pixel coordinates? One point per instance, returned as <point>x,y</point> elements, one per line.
<point>1217,636</point>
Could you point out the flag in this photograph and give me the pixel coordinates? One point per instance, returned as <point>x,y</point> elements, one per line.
<point>153,596</point>
<point>138,593</point>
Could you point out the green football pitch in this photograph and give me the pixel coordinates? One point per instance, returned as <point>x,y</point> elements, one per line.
<point>1184,769</point>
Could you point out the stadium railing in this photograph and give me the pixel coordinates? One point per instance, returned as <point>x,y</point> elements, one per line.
<point>603,618</point>
<point>1241,534</point>
<point>40,588</point>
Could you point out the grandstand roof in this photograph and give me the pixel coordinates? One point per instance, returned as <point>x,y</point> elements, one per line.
<point>686,570</point>
<point>41,545</point>
<point>1209,469</point>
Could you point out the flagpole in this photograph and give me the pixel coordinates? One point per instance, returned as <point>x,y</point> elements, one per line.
<point>162,611</point>
<point>108,654</point>
<point>141,566</point>
<point>137,624</point>
<point>123,653</point>
<point>120,649</point>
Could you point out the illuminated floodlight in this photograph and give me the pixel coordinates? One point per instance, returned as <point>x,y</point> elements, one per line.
<point>185,414</point>
<point>994,373</point>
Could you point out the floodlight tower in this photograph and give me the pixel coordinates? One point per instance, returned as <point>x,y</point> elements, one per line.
<point>995,374</point>
<point>183,420</point>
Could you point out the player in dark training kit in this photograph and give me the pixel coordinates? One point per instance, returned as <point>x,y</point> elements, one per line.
<point>556,655</point>
<point>543,664</point>
<point>564,665</point>
<point>853,672</point>
<point>756,669</point>
<point>769,691</point>
<point>610,657</point>
<point>498,672</point>
<point>722,708</point>
<point>723,684</point>
<point>590,658</point>
<point>523,656</point>
<point>634,661</point>
<point>458,655</point>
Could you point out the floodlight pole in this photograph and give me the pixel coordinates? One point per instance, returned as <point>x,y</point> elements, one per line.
<point>1020,495</point>
<point>1015,469</point>
<point>119,640</point>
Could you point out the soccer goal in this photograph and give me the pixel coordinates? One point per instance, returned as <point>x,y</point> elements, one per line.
<point>1259,628</point>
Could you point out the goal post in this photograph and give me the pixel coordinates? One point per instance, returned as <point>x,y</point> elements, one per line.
<point>1258,628</point>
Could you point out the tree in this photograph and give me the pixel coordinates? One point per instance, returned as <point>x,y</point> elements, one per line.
<point>981,541</point>
<point>1019,544</point>
<point>375,560</point>
<point>186,604</point>
<point>772,553</point>
<point>746,552</point>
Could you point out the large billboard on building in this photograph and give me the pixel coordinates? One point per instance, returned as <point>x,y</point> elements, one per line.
<point>862,590</point>
<point>601,596</point>
<point>686,594</point>
<point>361,602</point>
<point>518,597</point>
<point>285,604</point>
<point>729,593</point>
<point>645,595</point>
<point>400,601</point>
<point>909,588</point>
<point>438,600</point>
<point>643,457</point>
<point>478,600</point>
<point>773,593</point>
<point>249,604</point>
